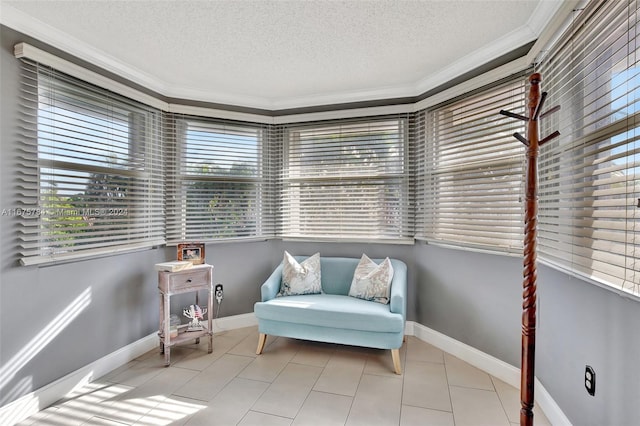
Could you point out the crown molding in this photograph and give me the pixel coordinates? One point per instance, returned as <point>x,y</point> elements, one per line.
<point>505,44</point>
<point>220,98</point>
<point>25,24</point>
<point>381,93</point>
<point>544,14</point>
<point>553,27</point>
<point>340,114</point>
<point>489,77</point>
<point>21,22</point>
<point>219,113</point>
<point>24,50</point>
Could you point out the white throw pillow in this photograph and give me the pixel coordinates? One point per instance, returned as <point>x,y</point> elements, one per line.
<point>300,278</point>
<point>372,281</point>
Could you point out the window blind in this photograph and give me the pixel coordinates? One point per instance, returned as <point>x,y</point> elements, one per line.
<point>347,180</point>
<point>218,181</point>
<point>470,172</point>
<point>91,181</point>
<point>589,177</point>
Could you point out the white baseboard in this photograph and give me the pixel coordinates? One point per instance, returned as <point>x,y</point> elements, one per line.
<point>497,368</point>
<point>30,404</point>
<point>234,321</point>
<point>493,366</point>
<point>549,407</point>
<point>43,397</point>
<point>39,399</point>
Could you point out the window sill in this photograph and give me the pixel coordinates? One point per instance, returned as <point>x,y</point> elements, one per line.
<point>173,243</point>
<point>604,285</point>
<point>87,255</point>
<point>396,241</point>
<point>510,252</point>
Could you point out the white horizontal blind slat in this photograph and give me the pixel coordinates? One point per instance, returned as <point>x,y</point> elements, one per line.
<point>92,167</point>
<point>589,177</point>
<point>470,172</point>
<point>217,180</point>
<point>347,180</point>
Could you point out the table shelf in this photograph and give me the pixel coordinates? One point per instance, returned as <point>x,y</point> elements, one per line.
<point>194,279</point>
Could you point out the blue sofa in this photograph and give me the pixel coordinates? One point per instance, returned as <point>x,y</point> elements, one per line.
<point>333,316</point>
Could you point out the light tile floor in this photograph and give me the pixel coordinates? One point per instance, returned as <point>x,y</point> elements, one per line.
<point>292,383</point>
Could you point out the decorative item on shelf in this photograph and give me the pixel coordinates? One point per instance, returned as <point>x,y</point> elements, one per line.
<point>191,252</point>
<point>173,266</point>
<point>174,324</point>
<point>195,313</point>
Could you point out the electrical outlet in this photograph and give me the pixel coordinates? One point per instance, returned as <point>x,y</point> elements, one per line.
<point>219,293</point>
<point>590,380</point>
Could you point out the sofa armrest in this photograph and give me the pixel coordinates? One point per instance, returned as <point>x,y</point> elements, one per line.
<point>271,286</point>
<point>398,302</point>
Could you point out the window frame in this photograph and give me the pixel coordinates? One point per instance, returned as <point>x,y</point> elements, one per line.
<point>445,170</point>
<point>293,182</point>
<point>68,122</point>
<point>179,229</point>
<point>589,186</point>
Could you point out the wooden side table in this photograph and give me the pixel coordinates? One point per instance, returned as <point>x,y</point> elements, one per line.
<point>198,277</point>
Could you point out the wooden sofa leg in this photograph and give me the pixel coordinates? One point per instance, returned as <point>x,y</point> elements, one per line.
<point>262,339</point>
<point>395,354</point>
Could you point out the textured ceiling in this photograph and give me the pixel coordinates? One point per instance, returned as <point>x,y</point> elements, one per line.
<point>283,54</point>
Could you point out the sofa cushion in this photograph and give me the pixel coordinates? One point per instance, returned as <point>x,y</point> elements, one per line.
<point>372,281</point>
<point>329,310</point>
<point>300,278</point>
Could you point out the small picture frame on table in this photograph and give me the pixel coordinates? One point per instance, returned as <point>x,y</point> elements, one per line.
<point>192,252</point>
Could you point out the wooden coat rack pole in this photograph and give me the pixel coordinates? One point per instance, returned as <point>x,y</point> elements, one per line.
<point>532,142</point>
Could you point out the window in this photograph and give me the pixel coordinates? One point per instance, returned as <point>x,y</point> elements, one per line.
<point>470,174</point>
<point>589,218</point>
<point>217,183</point>
<point>92,180</point>
<point>347,180</point>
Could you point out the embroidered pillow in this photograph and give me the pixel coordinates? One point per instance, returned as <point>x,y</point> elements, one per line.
<point>300,278</point>
<point>372,281</point>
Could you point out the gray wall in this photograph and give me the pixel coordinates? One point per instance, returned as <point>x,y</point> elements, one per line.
<point>584,324</point>
<point>477,299</point>
<point>472,297</point>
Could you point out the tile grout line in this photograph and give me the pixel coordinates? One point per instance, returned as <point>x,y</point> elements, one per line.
<point>271,384</point>
<point>314,383</point>
<point>500,398</point>
<point>353,398</point>
<point>446,375</point>
<point>404,371</point>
